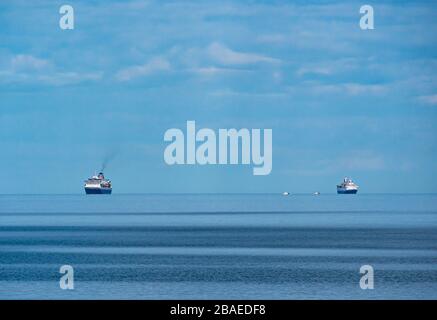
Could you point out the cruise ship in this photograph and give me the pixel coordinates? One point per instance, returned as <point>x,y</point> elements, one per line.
<point>97,184</point>
<point>347,187</point>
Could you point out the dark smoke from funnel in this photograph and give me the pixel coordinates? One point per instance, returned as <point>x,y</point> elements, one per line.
<point>108,158</point>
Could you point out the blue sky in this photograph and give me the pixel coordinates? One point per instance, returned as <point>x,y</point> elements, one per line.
<point>340,100</point>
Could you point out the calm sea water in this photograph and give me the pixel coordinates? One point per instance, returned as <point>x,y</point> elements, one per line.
<point>218,246</point>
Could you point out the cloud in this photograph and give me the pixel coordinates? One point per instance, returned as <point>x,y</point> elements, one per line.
<point>28,62</point>
<point>430,99</point>
<point>214,60</point>
<point>212,71</point>
<point>209,71</point>
<point>153,66</point>
<point>227,56</point>
<point>64,78</point>
<point>314,70</point>
<point>331,67</point>
<point>357,88</point>
<point>28,69</point>
<point>352,89</point>
<point>232,93</point>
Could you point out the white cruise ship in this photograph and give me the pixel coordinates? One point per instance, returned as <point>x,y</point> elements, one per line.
<point>347,187</point>
<point>97,184</point>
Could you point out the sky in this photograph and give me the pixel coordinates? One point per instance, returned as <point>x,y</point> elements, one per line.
<point>340,101</point>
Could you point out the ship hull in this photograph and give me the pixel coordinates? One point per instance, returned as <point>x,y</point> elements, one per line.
<point>98,190</point>
<point>352,191</point>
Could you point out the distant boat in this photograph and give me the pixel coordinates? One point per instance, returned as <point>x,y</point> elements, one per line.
<point>316,193</point>
<point>285,193</point>
<point>347,187</point>
<point>97,184</point>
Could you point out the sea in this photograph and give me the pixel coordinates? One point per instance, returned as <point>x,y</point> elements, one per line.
<point>219,246</point>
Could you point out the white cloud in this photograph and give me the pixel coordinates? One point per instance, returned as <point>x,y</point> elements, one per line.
<point>314,70</point>
<point>357,88</point>
<point>232,93</point>
<point>64,78</point>
<point>331,67</point>
<point>227,56</point>
<point>153,66</point>
<point>430,99</point>
<point>208,71</point>
<point>352,89</point>
<point>28,62</point>
<point>28,69</point>
<point>212,71</point>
